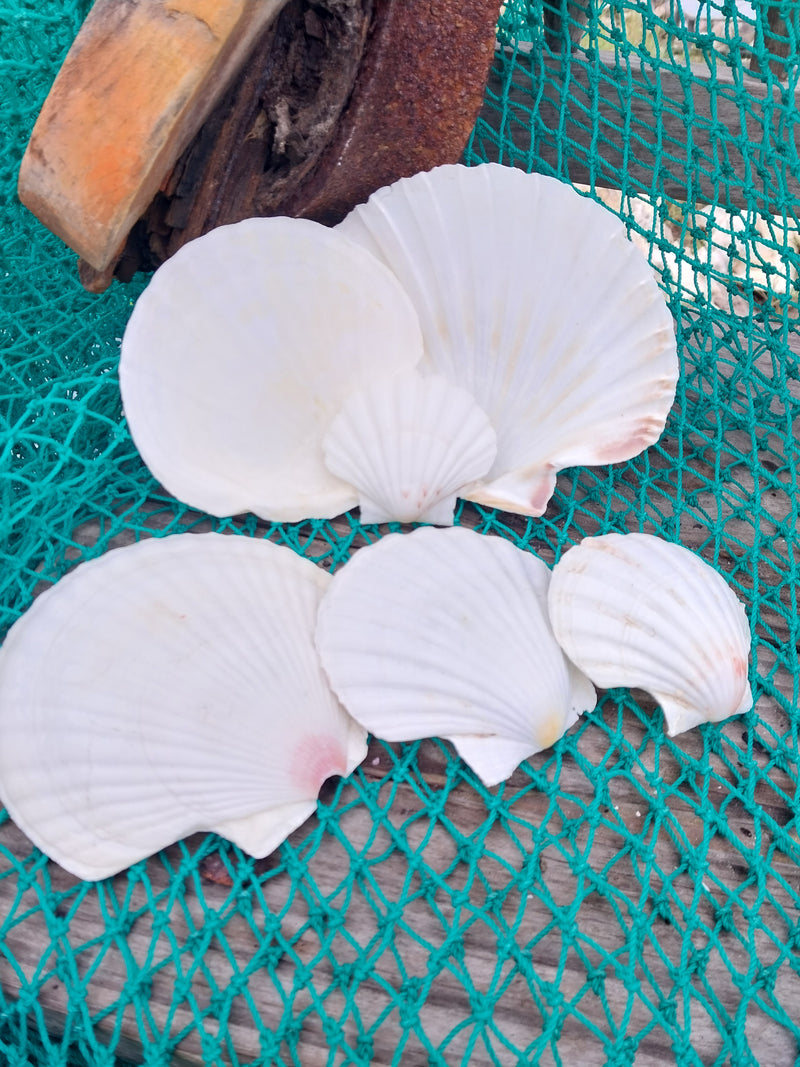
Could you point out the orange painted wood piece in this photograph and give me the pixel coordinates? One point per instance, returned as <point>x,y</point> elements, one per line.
<point>135,87</point>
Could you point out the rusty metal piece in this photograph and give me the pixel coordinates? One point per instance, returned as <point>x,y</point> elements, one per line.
<point>338,98</point>
<point>341,97</point>
<point>417,94</point>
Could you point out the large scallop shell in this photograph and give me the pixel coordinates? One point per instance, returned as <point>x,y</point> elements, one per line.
<point>164,688</point>
<point>240,352</point>
<point>533,299</point>
<point>445,633</point>
<point>410,445</point>
<point>633,610</point>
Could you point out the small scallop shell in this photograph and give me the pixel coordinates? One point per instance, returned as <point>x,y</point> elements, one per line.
<point>533,299</point>
<point>409,445</point>
<point>444,633</point>
<point>240,352</point>
<point>637,611</point>
<point>169,687</point>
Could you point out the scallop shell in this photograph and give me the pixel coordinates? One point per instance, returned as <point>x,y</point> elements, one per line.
<point>445,633</point>
<point>240,352</point>
<point>637,611</point>
<point>145,697</point>
<point>532,298</point>
<point>409,445</point>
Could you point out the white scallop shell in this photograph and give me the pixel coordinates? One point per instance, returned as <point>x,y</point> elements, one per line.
<point>164,688</point>
<point>638,611</point>
<point>445,633</point>
<point>409,445</point>
<point>533,299</point>
<point>240,352</point>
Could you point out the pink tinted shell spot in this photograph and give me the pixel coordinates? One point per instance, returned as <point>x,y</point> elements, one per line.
<point>541,491</point>
<point>740,673</point>
<point>317,757</point>
<point>624,448</point>
<point>740,669</point>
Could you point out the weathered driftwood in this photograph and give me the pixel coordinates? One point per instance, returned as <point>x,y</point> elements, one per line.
<point>328,110</point>
<point>335,99</point>
<point>136,84</point>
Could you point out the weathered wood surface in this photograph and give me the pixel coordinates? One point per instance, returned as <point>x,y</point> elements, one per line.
<point>777,39</point>
<point>659,126</point>
<point>339,100</point>
<point>149,949</point>
<point>135,87</point>
<point>170,118</point>
<point>607,923</point>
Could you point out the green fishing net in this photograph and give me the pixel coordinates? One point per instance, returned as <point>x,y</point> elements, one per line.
<point>624,898</point>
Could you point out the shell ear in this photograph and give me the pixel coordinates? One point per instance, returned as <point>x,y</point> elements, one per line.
<point>635,610</point>
<point>171,665</point>
<point>533,299</point>
<point>410,445</point>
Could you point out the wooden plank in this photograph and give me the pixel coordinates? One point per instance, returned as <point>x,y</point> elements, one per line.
<point>652,129</point>
<point>469,853</point>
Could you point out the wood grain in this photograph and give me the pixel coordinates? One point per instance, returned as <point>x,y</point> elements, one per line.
<point>79,950</point>
<point>533,877</point>
<point>673,131</point>
<point>338,100</point>
<point>136,85</point>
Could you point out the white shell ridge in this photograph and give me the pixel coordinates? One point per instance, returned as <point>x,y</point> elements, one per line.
<point>533,299</point>
<point>444,633</point>
<point>165,688</point>
<point>409,445</point>
<point>242,349</point>
<point>635,610</point>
